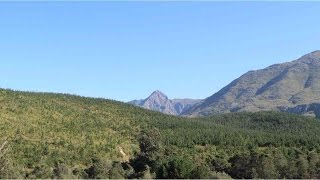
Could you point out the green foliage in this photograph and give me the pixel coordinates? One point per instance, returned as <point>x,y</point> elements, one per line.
<point>4,167</point>
<point>116,171</point>
<point>99,169</point>
<point>176,168</point>
<point>64,136</point>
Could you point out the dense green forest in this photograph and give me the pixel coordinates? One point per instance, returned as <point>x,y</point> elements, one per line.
<point>45,135</point>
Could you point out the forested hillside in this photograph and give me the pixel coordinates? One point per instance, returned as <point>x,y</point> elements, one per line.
<point>46,135</point>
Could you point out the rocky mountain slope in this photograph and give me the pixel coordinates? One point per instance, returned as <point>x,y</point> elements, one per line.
<point>158,101</point>
<point>291,87</point>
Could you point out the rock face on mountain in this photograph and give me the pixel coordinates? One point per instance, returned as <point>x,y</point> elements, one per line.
<point>305,109</point>
<point>290,87</point>
<point>158,101</point>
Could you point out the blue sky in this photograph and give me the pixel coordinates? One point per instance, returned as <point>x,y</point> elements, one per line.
<point>126,50</point>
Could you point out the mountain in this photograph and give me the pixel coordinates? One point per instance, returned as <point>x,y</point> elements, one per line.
<point>181,105</point>
<point>312,109</point>
<point>280,87</point>
<point>61,136</point>
<point>160,102</point>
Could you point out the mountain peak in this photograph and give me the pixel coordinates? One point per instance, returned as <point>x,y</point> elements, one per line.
<point>313,57</point>
<point>158,93</point>
<point>281,85</point>
<point>314,54</point>
<point>158,101</point>
<point>317,52</point>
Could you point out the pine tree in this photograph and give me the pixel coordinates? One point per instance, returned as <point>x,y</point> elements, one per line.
<point>267,169</point>
<point>313,159</point>
<point>302,166</point>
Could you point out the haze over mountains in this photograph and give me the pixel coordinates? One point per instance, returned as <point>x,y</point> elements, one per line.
<point>290,87</point>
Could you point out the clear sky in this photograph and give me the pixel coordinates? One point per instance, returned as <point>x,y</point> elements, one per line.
<point>126,50</point>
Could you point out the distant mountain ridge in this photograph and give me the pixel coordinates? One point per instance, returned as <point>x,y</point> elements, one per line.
<point>292,87</point>
<point>160,102</point>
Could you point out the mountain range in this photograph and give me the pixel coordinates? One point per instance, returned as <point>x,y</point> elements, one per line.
<point>62,136</point>
<point>290,87</point>
<point>158,101</point>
